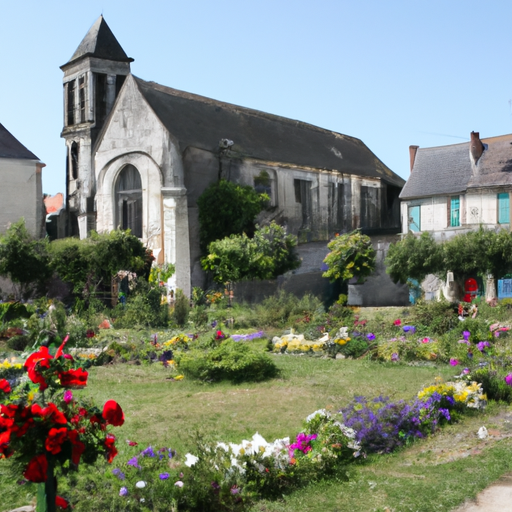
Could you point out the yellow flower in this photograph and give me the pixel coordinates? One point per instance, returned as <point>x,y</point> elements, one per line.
<point>30,396</point>
<point>179,377</point>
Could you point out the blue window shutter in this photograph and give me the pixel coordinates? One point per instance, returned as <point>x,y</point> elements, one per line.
<point>414,219</point>
<point>503,208</point>
<point>455,211</point>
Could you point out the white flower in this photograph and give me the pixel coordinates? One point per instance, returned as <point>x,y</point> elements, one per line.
<point>320,412</point>
<point>482,433</point>
<point>190,461</point>
<point>140,485</point>
<point>179,483</point>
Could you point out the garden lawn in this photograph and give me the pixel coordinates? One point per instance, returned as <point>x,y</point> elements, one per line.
<point>162,412</point>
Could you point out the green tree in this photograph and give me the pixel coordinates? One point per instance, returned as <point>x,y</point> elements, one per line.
<point>269,254</point>
<point>24,259</point>
<point>414,258</point>
<point>226,208</point>
<point>90,264</point>
<point>352,255</point>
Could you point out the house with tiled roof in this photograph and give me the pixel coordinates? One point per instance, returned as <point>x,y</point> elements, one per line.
<point>21,194</point>
<point>140,154</point>
<point>456,188</point>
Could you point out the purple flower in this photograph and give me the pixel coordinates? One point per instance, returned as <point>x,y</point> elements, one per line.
<point>117,472</point>
<point>394,356</point>
<point>445,413</point>
<point>466,371</point>
<point>482,345</point>
<point>370,336</point>
<point>148,452</point>
<point>68,396</point>
<point>123,491</point>
<point>508,379</point>
<point>454,362</point>
<point>450,400</point>
<point>466,335</point>
<point>134,461</point>
<point>409,328</point>
<point>234,490</point>
<point>214,324</point>
<point>164,476</point>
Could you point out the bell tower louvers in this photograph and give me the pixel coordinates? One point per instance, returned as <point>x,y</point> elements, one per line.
<point>92,80</point>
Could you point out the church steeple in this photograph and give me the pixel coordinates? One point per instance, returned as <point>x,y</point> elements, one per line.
<point>92,80</point>
<point>101,43</point>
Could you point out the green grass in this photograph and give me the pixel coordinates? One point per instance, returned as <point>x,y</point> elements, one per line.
<point>164,412</point>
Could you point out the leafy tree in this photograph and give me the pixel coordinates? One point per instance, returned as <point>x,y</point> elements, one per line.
<point>269,254</point>
<point>414,258</point>
<point>24,259</point>
<point>352,255</point>
<point>477,252</point>
<point>90,264</point>
<point>226,208</point>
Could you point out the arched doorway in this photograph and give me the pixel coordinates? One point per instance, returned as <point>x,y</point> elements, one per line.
<point>128,197</point>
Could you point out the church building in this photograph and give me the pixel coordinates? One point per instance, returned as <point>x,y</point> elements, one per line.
<point>139,155</point>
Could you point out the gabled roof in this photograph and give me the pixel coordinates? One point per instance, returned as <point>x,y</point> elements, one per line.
<point>439,170</point>
<point>11,147</point>
<point>447,170</point>
<point>101,43</point>
<point>202,122</point>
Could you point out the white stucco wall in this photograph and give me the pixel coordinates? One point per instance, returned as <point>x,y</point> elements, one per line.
<point>21,194</point>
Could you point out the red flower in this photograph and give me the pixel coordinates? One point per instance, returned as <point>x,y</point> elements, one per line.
<point>35,362</point>
<point>36,469</point>
<point>5,386</point>
<point>113,413</point>
<point>52,414</point>
<point>4,442</point>
<point>61,348</point>
<point>73,378</point>
<point>61,502</point>
<point>55,438</point>
<point>78,447</point>
<point>397,322</point>
<point>110,447</point>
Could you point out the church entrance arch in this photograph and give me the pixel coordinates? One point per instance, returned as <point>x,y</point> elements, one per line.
<point>128,200</point>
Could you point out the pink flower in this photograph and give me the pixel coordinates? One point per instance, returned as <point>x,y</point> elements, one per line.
<point>397,322</point>
<point>454,362</point>
<point>425,340</point>
<point>68,396</point>
<point>508,379</point>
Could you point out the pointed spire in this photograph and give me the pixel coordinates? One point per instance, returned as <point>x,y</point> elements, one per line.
<point>101,43</point>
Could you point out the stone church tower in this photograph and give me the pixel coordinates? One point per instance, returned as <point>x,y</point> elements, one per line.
<point>92,80</point>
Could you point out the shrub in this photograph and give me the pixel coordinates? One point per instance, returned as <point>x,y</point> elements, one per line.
<point>437,317</point>
<point>142,310</point>
<point>232,361</point>
<point>181,308</point>
<point>18,343</point>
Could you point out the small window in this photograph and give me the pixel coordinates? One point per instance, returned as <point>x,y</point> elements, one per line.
<point>81,93</point>
<point>303,196</point>
<point>455,211</point>
<point>263,184</point>
<point>298,192</point>
<point>71,102</point>
<point>74,160</point>
<point>414,219</point>
<point>503,208</point>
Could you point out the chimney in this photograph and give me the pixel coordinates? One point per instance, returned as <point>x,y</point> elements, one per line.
<point>476,148</point>
<point>412,154</point>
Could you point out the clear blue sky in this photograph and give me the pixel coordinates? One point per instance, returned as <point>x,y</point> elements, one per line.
<point>392,73</point>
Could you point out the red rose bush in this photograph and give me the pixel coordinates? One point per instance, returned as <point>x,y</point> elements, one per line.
<point>45,428</point>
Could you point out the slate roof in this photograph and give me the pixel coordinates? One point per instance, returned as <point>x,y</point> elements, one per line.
<point>439,170</point>
<point>202,122</point>
<point>101,43</point>
<point>494,168</point>
<point>11,147</point>
<point>447,170</point>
